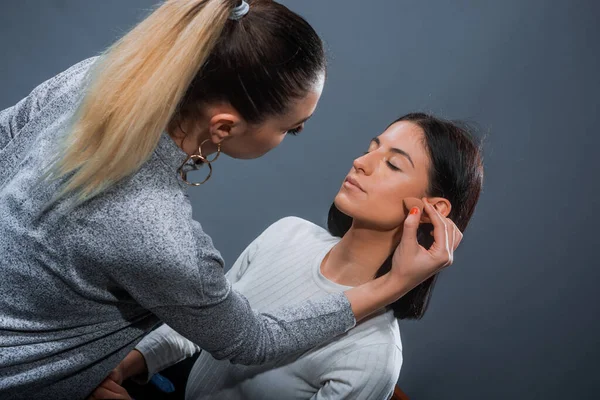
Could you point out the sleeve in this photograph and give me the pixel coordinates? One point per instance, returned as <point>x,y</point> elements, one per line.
<point>162,348</point>
<point>14,118</point>
<point>228,328</point>
<point>173,270</point>
<point>368,373</point>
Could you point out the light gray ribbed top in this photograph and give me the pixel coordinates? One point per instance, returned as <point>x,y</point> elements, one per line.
<point>283,267</point>
<point>80,287</point>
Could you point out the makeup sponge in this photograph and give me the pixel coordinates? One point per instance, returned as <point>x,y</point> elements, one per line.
<point>410,202</point>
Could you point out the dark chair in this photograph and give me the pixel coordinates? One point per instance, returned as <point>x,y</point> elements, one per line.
<point>399,394</point>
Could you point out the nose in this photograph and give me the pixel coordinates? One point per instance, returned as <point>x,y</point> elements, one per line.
<point>362,164</point>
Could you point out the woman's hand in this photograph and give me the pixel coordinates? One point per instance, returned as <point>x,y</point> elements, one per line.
<point>111,387</point>
<point>134,364</point>
<point>412,263</point>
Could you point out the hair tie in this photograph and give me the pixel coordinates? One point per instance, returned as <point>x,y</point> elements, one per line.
<point>238,12</point>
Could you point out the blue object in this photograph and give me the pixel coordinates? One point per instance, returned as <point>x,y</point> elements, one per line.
<point>162,383</point>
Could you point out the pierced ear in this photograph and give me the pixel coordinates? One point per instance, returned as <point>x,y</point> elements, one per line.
<point>225,125</point>
<point>442,205</point>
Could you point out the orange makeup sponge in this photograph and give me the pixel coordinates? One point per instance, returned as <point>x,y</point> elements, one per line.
<point>411,202</point>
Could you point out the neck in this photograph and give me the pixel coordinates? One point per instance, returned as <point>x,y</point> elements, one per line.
<point>359,255</point>
<point>189,136</point>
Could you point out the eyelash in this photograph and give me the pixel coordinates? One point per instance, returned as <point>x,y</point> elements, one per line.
<point>392,166</point>
<point>295,131</point>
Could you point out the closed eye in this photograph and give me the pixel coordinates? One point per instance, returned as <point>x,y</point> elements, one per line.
<point>389,164</point>
<point>295,131</point>
<point>392,166</point>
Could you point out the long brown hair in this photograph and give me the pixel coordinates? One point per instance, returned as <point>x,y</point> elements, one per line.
<point>456,174</point>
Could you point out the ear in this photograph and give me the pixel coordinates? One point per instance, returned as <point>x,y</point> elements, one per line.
<point>224,125</point>
<point>442,205</point>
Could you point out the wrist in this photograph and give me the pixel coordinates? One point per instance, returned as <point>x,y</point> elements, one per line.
<point>133,365</point>
<point>375,295</point>
<point>392,288</point>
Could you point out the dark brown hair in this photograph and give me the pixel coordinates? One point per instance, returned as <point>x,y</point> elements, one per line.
<point>260,63</point>
<point>456,174</point>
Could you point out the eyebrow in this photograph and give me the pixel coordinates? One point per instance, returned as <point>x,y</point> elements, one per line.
<point>395,150</point>
<point>302,121</point>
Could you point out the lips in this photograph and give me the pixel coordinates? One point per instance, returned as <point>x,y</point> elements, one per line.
<point>353,182</point>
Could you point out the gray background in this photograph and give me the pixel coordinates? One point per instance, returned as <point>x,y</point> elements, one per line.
<point>517,315</point>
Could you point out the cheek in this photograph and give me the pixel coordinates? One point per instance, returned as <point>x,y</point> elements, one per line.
<point>385,216</point>
<point>266,143</point>
<point>387,208</point>
<point>276,140</point>
<point>253,145</point>
<point>383,206</point>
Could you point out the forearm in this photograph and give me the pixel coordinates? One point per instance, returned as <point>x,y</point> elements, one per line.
<point>232,330</point>
<point>374,295</point>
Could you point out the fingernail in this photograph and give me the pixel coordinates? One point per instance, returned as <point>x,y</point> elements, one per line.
<point>414,210</point>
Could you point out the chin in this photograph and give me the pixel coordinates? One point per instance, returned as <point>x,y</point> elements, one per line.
<point>247,156</point>
<point>344,204</point>
<point>240,155</point>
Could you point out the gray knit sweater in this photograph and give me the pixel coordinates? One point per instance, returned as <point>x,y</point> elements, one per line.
<point>80,287</point>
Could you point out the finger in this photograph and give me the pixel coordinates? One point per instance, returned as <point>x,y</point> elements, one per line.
<point>411,225</point>
<point>116,388</point>
<point>440,231</point>
<point>109,389</point>
<point>103,393</point>
<point>115,376</point>
<point>451,240</point>
<point>456,234</point>
<point>459,236</point>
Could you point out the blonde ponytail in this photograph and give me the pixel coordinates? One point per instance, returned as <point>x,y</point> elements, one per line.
<point>135,89</point>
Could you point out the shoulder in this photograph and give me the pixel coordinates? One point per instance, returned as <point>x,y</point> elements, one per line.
<point>144,243</point>
<point>381,329</point>
<point>140,206</point>
<point>139,224</point>
<point>373,343</point>
<point>293,227</point>
<point>75,71</point>
<point>49,99</point>
<point>290,222</point>
<point>288,235</point>
<point>64,82</point>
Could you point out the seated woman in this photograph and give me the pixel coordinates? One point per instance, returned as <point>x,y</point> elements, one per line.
<point>418,156</point>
